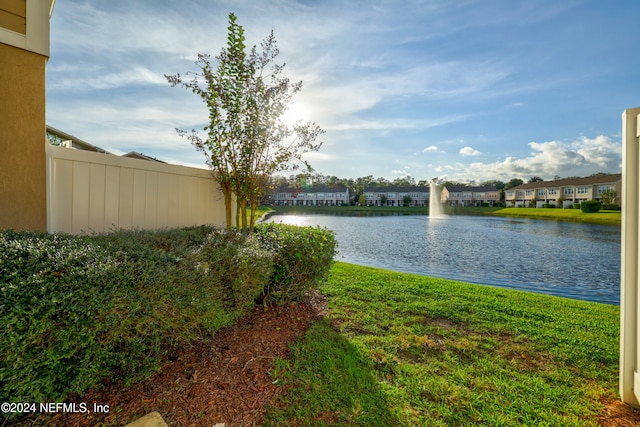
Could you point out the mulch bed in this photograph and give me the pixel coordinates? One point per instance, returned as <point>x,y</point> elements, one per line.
<point>227,381</point>
<point>224,381</point>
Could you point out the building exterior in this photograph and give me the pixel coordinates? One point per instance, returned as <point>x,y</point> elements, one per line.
<point>63,139</point>
<point>318,195</point>
<point>66,140</point>
<point>397,196</point>
<point>563,192</point>
<point>453,195</point>
<point>24,50</point>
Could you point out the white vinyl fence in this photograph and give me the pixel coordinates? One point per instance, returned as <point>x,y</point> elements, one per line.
<point>95,192</point>
<point>629,266</point>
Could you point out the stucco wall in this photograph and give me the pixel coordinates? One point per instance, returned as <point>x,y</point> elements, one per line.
<point>22,140</point>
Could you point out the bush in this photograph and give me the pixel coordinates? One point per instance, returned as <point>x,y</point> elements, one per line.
<point>576,206</point>
<point>303,256</point>
<point>77,310</point>
<point>590,206</point>
<point>239,264</point>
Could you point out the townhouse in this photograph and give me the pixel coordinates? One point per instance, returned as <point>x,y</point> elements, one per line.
<point>453,195</point>
<point>564,192</point>
<point>397,196</point>
<point>318,195</point>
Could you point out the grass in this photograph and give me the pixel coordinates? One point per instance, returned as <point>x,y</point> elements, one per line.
<point>602,217</point>
<point>401,349</point>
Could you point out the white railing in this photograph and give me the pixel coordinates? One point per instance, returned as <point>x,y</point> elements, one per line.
<point>94,192</point>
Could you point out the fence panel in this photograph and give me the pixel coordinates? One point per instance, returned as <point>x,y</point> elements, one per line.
<point>95,192</point>
<point>629,297</point>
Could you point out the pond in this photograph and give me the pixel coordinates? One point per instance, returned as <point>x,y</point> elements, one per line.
<point>567,259</point>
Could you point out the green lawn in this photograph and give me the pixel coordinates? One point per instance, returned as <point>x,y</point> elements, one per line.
<point>401,349</point>
<point>603,217</point>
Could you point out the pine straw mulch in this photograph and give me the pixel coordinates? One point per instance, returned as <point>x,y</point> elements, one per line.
<point>228,381</point>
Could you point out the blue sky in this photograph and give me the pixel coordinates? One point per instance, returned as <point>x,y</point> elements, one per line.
<point>463,90</point>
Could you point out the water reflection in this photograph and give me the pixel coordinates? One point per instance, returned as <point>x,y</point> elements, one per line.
<point>573,260</point>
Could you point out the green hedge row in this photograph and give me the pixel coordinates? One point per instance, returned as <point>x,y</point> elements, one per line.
<point>77,310</point>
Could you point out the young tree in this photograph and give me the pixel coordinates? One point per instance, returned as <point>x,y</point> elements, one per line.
<point>247,140</point>
<point>608,198</point>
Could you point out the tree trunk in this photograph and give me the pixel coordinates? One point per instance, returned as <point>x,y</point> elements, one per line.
<point>252,217</point>
<point>226,191</point>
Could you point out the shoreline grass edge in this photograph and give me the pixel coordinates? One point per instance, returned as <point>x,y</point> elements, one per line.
<point>603,217</point>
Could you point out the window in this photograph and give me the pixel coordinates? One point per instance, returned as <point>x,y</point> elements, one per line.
<point>520,193</point>
<point>542,192</point>
<point>602,188</point>
<point>583,190</point>
<point>553,191</point>
<point>467,195</point>
<point>529,193</point>
<point>568,191</point>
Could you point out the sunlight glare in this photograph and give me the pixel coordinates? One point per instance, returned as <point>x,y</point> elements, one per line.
<point>298,220</point>
<point>294,113</point>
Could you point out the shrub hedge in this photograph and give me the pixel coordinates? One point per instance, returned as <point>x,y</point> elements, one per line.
<point>590,206</point>
<point>302,258</point>
<point>75,310</point>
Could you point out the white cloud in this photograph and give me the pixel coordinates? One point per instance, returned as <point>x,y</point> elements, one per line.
<point>582,157</point>
<point>138,75</point>
<point>468,151</point>
<point>600,151</point>
<point>430,148</point>
<point>394,123</point>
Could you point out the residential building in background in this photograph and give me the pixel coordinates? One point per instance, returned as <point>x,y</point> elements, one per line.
<point>564,192</point>
<point>454,195</point>
<point>397,196</point>
<point>320,195</point>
